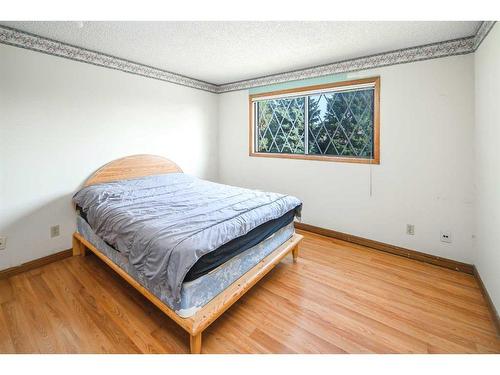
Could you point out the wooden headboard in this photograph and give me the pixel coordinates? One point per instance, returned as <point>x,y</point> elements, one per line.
<point>133,166</point>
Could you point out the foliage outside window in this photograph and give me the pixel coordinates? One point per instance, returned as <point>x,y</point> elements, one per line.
<point>337,122</point>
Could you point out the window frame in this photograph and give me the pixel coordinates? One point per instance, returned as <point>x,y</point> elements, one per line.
<point>342,159</point>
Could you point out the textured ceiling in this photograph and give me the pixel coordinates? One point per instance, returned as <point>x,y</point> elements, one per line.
<point>224,52</point>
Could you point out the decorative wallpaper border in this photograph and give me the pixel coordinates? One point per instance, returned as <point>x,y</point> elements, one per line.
<point>430,51</point>
<point>52,47</point>
<point>482,32</point>
<point>425,52</point>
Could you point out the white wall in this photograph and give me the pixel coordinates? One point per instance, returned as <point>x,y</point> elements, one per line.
<point>487,80</point>
<point>426,170</point>
<point>53,111</point>
<point>60,120</point>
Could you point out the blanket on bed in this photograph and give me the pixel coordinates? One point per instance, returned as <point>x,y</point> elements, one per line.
<point>165,223</point>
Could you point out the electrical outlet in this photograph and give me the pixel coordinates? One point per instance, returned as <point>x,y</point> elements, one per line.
<point>410,229</point>
<point>54,231</point>
<point>446,236</point>
<point>3,242</point>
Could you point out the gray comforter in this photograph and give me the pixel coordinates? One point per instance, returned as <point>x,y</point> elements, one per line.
<point>165,223</point>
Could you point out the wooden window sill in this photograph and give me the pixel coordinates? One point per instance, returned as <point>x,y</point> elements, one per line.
<point>315,157</point>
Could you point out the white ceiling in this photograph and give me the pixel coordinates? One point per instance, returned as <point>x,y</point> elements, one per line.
<point>224,52</point>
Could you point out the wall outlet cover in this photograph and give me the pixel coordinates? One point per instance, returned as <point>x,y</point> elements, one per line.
<point>446,236</point>
<point>54,231</point>
<point>3,242</point>
<point>410,229</point>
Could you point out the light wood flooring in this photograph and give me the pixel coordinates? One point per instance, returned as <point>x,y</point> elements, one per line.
<point>338,298</point>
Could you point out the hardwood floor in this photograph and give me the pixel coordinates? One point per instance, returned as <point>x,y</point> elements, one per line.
<point>338,298</point>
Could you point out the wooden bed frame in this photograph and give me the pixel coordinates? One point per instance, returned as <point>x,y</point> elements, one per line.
<point>145,165</point>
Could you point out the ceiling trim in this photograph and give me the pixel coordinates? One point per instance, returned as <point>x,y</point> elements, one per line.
<point>482,32</point>
<point>431,51</point>
<point>34,42</point>
<point>30,41</point>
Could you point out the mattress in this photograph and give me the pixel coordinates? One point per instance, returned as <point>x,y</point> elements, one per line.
<point>214,259</point>
<point>196,293</point>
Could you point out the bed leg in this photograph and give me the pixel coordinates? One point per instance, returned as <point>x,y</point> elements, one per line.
<point>78,247</point>
<point>195,343</point>
<point>295,253</point>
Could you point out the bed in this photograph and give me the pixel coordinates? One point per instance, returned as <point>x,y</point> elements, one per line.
<point>190,246</point>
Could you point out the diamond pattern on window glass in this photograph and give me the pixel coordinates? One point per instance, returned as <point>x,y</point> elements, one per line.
<point>341,123</point>
<point>280,127</point>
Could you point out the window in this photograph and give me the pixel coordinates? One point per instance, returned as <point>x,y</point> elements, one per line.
<point>335,122</point>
